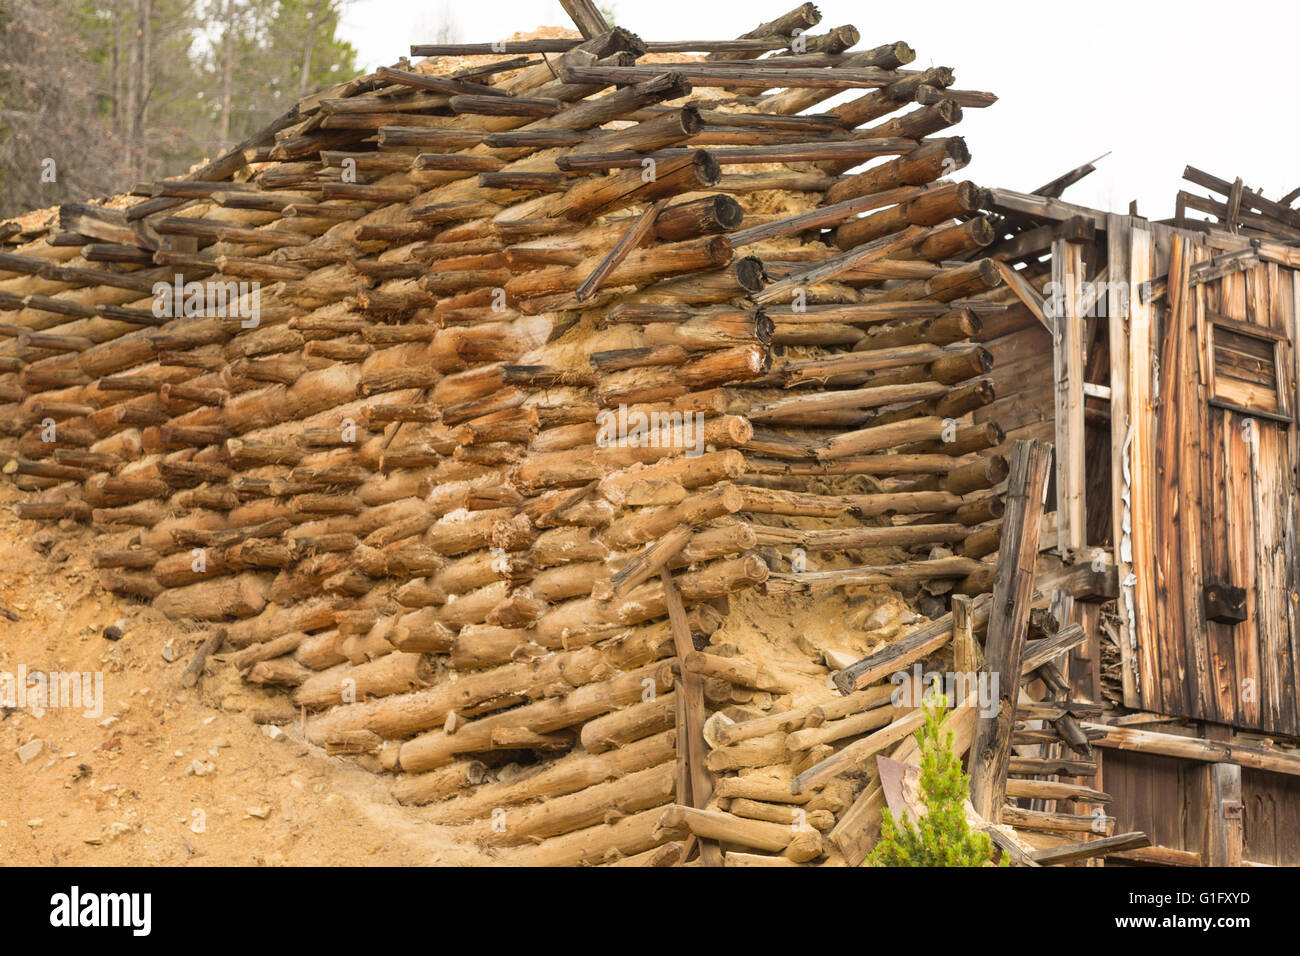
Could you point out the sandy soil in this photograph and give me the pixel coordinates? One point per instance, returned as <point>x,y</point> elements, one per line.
<point>166,775</point>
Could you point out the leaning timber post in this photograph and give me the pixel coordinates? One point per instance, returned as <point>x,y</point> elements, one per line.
<point>1008,624</point>
<point>586,16</point>
<point>1067,354</point>
<point>691,748</point>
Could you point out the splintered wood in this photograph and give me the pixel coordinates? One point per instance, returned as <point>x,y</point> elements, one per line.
<point>477,391</point>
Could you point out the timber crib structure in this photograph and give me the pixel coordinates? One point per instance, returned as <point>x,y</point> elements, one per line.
<point>552,358</point>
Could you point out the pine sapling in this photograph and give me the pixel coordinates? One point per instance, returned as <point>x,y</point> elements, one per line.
<point>941,836</point>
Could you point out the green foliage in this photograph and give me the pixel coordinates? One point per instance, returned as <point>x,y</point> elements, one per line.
<point>121,91</point>
<point>273,42</point>
<point>941,837</point>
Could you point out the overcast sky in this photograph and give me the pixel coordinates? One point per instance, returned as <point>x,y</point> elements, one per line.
<point>1158,84</point>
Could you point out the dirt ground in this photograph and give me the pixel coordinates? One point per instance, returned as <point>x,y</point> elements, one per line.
<point>165,775</point>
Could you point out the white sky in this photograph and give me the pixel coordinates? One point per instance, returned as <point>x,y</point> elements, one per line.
<point>1159,84</point>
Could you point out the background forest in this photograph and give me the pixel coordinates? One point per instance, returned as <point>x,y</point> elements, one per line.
<point>124,91</point>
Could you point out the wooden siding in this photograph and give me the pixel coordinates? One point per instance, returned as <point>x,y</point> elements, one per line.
<point>1223,511</point>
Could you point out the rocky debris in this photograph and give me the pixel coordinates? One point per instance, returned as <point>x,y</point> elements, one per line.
<point>30,750</point>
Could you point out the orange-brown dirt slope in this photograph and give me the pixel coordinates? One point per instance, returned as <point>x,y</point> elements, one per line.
<point>164,775</point>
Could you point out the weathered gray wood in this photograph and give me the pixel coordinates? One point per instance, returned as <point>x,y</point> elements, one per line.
<point>1009,623</point>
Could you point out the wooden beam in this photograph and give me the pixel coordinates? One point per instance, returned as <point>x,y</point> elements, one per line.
<point>691,747</point>
<point>1067,360</point>
<point>1043,651</point>
<point>1009,847</point>
<point>1074,852</point>
<point>1035,242</point>
<point>1195,748</point>
<point>1007,200</point>
<point>1026,293</point>
<point>966,655</point>
<point>1008,624</point>
<point>586,16</point>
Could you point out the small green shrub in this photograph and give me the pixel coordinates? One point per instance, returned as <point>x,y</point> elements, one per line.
<point>941,837</point>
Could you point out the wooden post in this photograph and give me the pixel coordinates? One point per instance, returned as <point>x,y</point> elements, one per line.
<point>966,655</point>
<point>691,747</point>
<point>1224,833</point>
<point>1067,355</point>
<point>1009,623</point>
<point>1118,256</point>
<point>1137,600</point>
<point>1223,818</point>
<point>586,16</point>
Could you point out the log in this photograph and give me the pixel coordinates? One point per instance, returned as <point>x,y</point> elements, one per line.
<point>796,844</point>
<point>241,596</point>
<point>634,792</point>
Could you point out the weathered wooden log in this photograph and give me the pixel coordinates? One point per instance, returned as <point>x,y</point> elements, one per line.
<point>631,723</point>
<point>431,750</point>
<point>569,774</point>
<point>381,677</point>
<point>636,791</point>
<point>798,844</point>
<point>448,781</point>
<point>241,596</point>
<point>923,165</point>
<point>628,836</point>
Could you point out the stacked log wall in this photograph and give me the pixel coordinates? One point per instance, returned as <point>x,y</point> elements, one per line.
<point>406,490</point>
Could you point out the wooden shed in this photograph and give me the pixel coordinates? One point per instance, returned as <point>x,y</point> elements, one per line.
<point>1170,396</point>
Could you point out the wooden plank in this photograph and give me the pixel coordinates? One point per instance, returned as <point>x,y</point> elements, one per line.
<point>1067,357</point>
<point>1076,852</point>
<point>859,828</point>
<point>1180,421</point>
<point>1138,595</point>
<point>691,728</point>
<point>1007,200</point>
<point>1118,249</point>
<point>1063,182</point>
<point>1272,818</point>
<point>1008,623</point>
<point>1286,309</point>
<point>1160,856</point>
<point>1025,292</point>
